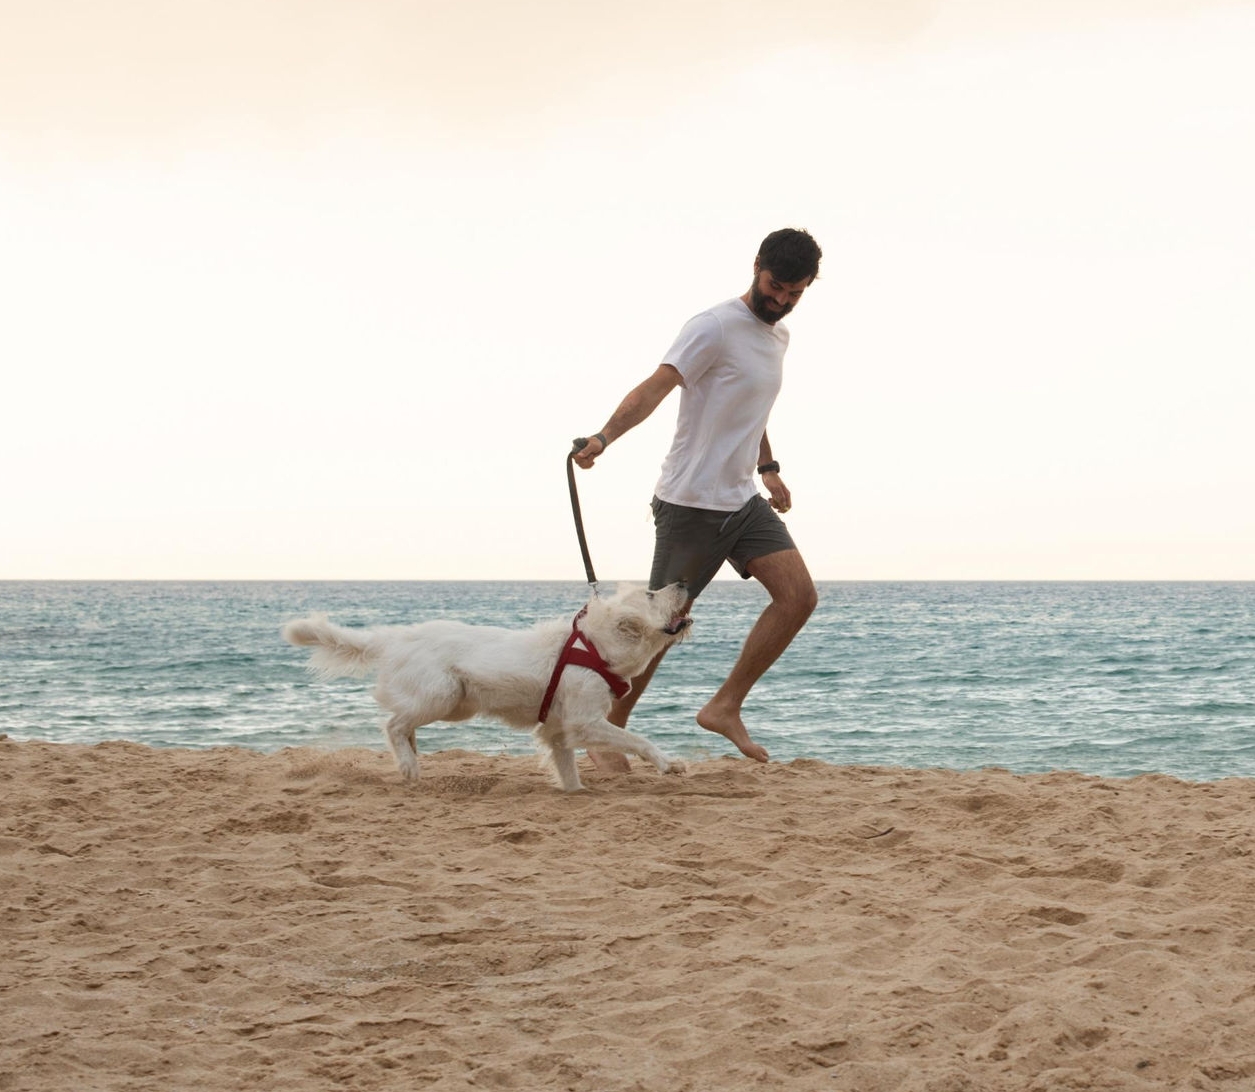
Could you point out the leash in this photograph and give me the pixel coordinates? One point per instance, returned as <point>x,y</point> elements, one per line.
<point>572,652</point>
<point>580,443</point>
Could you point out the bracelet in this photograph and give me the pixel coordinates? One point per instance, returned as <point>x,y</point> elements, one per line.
<point>602,437</point>
<point>772,467</point>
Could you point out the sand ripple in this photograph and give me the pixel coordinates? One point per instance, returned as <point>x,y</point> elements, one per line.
<point>226,920</point>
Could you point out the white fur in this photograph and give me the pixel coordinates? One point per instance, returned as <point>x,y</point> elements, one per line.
<point>451,671</point>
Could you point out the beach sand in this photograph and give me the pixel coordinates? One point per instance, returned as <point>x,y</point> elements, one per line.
<point>224,919</point>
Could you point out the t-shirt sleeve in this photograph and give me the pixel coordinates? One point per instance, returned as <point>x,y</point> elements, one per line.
<point>696,348</point>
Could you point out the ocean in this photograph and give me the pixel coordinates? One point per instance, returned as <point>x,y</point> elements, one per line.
<point>1112,679</point>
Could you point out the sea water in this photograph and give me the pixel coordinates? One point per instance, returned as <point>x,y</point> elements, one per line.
<point>1114,679</point>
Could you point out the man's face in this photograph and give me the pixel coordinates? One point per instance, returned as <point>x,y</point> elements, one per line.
<point>772,299</point>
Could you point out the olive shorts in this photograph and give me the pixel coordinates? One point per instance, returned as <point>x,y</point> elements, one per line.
<point>690,544</point>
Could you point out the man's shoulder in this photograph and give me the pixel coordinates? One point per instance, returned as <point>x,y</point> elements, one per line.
<point>714,320</point>
<point>733,310</point>
<point>708,326</point>
<point>735,317</point>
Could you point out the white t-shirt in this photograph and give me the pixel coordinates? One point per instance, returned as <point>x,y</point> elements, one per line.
<point>731,366</point>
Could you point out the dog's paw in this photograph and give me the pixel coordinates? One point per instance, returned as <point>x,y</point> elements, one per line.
<point>673,766</point>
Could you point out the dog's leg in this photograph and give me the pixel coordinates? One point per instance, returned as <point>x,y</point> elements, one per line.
<point>399,732</point>
<point>551,740</point>
<point>564,766</point>
<point>602,735</point>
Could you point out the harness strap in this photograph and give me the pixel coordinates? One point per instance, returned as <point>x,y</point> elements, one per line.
<point>577,656</point>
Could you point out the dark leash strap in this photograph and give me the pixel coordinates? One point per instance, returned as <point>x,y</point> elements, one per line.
<point>580,443</point>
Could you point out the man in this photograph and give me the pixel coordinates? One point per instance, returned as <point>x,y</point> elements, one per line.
<point>728,362</point>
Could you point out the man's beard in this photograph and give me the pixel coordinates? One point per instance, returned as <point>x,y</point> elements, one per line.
<point>765,311</point>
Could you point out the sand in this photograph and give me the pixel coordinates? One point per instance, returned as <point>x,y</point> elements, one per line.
<point>177,919</point>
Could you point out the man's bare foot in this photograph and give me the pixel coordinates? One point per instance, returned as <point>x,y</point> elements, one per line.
<point>729,725</point>
<point>610,762</point>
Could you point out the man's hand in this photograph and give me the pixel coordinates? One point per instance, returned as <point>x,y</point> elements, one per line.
<point>781,498</point>
<point>587,455</point>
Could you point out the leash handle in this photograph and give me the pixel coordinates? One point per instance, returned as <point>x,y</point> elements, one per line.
<point>579,443</point>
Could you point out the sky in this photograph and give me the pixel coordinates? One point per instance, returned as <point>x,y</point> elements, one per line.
<point>310,289</point>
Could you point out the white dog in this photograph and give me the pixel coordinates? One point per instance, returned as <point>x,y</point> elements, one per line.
<point>545,678</point>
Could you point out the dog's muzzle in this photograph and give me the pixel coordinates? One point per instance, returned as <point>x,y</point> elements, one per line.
<point>677,625</point>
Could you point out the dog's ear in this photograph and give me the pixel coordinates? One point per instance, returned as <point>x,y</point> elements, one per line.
<point>632,627</point>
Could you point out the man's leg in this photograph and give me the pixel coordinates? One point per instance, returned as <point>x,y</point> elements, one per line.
<point>793,598</point>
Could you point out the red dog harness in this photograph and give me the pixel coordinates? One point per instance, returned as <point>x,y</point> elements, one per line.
<point>576,656</point>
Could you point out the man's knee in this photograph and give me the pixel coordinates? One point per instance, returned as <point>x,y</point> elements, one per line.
<point>788,581</point>
<point>800,599</point>
<point>807,598</point>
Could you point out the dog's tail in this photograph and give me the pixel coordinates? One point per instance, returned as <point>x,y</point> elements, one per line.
<point>337,650</point>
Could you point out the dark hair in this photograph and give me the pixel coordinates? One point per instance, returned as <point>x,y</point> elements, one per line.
<point>791,255</point>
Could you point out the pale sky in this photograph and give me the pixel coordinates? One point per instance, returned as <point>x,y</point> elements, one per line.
<point>309,289</point>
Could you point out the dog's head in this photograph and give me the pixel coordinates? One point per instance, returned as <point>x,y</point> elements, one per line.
<point>631,627</point>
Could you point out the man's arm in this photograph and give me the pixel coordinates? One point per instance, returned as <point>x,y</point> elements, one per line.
<point>635,408</point>
<point>781,498</point>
